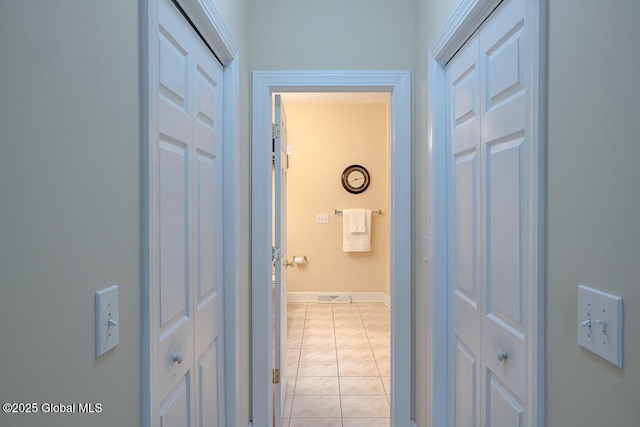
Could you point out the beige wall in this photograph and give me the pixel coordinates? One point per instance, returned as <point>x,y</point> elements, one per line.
<point>593,202</point>
<point>70,212</point>
<point>325,139</point>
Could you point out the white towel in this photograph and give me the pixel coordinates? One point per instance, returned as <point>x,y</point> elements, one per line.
<point>357,220</point>
<point>359,241</point>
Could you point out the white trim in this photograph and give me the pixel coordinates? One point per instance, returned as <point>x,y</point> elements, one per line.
<point>211,26</point>
<point>398,84</point>
<point>465,20</point>
<point>355,296</point>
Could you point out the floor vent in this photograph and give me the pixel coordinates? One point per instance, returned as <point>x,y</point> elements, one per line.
<point>335,298</point>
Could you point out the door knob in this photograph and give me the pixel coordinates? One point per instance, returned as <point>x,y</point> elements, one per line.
<point>177,357</point>
<point>502,355</point>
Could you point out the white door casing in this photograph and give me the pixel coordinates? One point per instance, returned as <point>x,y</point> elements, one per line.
<point>186,233</point>
<point>397,83</point>
<point>281,262</point>
<point>491,137</point>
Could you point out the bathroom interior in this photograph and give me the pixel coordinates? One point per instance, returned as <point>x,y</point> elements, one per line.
<point>338,314</point>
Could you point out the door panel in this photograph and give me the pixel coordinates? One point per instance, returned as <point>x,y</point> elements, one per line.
<point>175,410</point>
<point>208,391</point>
<point>206,92</point>
<point>489,188</point>
<point>503,407</point>
<point>506,187</point>
<point>190,375</point>
<point>464,287</point>
<point>466,383</point>
<point>504,279</point>
<point>174,270</point>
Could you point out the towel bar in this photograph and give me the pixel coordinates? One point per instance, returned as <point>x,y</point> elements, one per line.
<point>339,212</point>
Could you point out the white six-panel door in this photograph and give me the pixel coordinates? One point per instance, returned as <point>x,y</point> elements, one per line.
<point>186,285</point>
<point>489,202</point>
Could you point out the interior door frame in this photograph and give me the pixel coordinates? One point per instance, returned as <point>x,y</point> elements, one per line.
<point>209,23</point>
<point>464,21</point>
<point>398,85</point>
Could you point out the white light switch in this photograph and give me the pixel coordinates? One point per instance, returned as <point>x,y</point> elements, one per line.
<point>600,323</point>
<point>106,320</point>
<point>322,218</point>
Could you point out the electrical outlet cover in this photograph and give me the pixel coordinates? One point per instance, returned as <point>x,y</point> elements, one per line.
<point>600,323</point>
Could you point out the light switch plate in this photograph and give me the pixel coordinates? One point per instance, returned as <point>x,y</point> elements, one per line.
<point>106,320</point>
<point>322,218</point>
<point>600,323</point>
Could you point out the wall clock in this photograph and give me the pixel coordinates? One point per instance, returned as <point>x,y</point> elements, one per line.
<point>355,179</point>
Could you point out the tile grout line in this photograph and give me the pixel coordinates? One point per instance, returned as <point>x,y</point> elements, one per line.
<point>335,341</point>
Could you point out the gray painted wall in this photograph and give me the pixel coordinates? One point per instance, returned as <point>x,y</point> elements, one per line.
<point>593,204</point>
<point>70,211</point>
<point>69,206</point>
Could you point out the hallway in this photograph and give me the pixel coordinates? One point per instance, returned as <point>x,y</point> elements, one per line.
<point>338,365</point>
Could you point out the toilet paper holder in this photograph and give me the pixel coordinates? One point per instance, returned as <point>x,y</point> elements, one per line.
<point>296,260</point>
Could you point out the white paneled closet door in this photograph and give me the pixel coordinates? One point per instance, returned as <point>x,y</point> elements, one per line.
<point>186,284</point>
<point>489,192</point>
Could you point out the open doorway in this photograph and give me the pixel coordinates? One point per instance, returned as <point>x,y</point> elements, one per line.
<point>338,283</point>
<point>397,85</point>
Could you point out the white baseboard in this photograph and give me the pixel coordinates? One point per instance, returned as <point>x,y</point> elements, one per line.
<point>355,296</point>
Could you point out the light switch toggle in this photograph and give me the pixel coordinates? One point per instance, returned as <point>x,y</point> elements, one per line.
<point>603,323</point>
<point>587,323</point>
<point>111,322</point>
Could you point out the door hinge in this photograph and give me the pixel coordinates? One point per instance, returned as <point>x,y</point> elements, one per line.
<point>275,254</point>
<point>275,376</point>
<point>275,131</point>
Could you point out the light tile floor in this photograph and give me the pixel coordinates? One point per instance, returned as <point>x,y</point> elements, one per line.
<point>338,365</point>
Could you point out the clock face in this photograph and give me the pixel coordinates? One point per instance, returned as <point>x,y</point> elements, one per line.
<point>355,179</point>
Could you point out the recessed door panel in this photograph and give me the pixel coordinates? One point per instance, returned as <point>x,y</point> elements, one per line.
<point>504,283</point>
<point>173,71</point>
<point>205,222</point>
<point>174,268</point>
<point>466,214</point>
<point>176,408</point>
<point>206,97</point>
<point>503,407</point>
<point>466,413</point>
<point>208,391</point>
